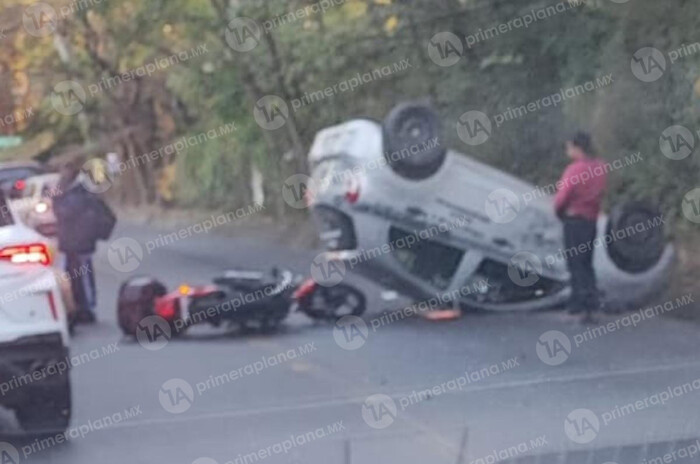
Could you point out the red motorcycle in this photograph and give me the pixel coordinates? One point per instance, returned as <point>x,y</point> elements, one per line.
<point>244,298</point>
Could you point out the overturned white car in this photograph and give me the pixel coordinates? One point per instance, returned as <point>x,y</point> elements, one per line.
<point>393,204</point>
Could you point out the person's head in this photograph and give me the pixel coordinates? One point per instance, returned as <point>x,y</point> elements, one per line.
<point>69,172</point>
<point>579,146</point>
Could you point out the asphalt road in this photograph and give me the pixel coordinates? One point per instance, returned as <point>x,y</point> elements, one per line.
<point>301,395</point>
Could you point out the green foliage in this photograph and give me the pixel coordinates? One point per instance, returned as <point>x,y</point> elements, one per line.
<point>308,53</point>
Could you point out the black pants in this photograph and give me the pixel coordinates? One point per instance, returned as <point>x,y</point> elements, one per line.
<point>82,281</point>
<point>579,235</point>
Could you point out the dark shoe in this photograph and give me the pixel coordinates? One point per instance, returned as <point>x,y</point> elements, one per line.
<point>72,322</point>
<point>85,317</point>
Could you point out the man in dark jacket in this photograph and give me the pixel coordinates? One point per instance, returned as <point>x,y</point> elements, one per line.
<point>82,219</point>
<point>578,203</point>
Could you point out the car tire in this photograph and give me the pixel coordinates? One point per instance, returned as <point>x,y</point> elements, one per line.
<point>634,250</point>
<point>135,302</point>
<point>48,412</point>
<point>413,145</point>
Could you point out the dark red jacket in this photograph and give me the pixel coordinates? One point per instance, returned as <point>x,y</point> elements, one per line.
<point>581,189</point>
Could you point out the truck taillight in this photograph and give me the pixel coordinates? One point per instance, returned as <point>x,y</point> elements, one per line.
<point>21,254</point>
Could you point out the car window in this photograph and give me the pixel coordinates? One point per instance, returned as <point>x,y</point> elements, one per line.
<point>434,262</point>
<point>9,176</point>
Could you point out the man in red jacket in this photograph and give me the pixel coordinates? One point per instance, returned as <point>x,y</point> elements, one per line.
<point>577,203</point>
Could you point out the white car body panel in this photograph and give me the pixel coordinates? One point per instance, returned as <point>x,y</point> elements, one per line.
<point>24,293</point>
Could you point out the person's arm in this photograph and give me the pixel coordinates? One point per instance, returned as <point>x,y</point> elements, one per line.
<point>104,218</point>
<point>565,192</point>
<point>104,208</point>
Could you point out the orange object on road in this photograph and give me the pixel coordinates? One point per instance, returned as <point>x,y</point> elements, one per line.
<point>442,315</point>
